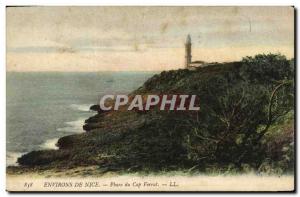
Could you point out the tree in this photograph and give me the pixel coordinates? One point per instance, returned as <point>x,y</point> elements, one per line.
<point>238,111</point>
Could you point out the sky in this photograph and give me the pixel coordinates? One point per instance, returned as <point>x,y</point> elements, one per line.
<point>89,39</point>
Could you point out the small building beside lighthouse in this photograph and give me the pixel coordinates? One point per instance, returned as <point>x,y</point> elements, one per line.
<point>188,56</point>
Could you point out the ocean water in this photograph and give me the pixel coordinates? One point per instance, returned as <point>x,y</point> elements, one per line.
<point>44,106</point>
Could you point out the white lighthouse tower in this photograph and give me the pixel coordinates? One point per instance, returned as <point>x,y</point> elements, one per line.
<point>188,56</point>
<point>188,51</point>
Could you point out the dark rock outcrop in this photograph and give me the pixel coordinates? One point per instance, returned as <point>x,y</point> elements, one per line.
<point>169,140</point>
<point>98,109</point>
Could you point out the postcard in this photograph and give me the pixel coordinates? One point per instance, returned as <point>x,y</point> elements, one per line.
<point>150,99</point>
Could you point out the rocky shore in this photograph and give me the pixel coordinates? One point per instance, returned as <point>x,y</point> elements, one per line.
<point>231,132</point>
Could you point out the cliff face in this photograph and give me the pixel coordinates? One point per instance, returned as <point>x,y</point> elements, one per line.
<point>229,131</point>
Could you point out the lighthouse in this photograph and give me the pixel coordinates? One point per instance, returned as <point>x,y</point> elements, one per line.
<point>188,63</point>
<point>188,51</point>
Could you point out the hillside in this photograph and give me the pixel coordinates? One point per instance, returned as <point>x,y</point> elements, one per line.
<point>245,123</point>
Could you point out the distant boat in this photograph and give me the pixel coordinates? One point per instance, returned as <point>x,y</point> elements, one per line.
<point>110,81</point>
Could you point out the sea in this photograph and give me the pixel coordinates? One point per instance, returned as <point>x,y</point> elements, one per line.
<point>41,107</point>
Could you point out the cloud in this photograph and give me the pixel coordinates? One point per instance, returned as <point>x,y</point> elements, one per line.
<point>40,49</point>
<point>113,36</point>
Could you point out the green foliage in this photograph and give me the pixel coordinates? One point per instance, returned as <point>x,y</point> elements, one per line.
<point>242,124</point>
<point>266,69</point>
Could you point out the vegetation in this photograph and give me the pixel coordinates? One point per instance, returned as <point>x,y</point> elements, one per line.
<point>245,124</point>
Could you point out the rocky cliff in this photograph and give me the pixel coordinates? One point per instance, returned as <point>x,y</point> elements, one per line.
<point>238,127</point>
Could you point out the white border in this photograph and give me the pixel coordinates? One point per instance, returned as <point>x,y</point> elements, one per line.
<point>151,2</point>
